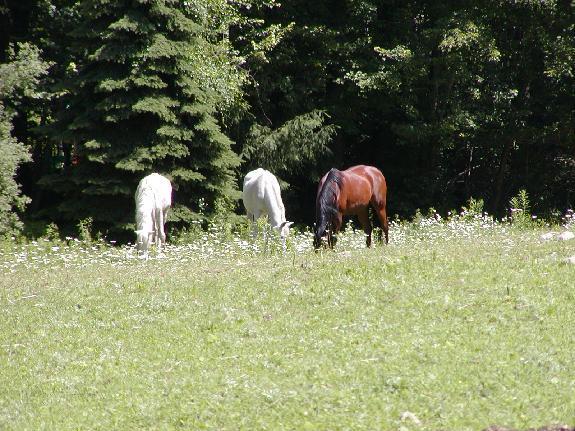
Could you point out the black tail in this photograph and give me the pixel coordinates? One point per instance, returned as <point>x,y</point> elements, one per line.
<point>326,204</point>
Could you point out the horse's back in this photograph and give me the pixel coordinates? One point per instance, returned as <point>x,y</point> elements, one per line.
<point>252,176</point>
<point>252,184</point>
<point>361,175</point>
<point>371,173</point>
<point>154,189</point>
<point>260,188</point>
<point>164,191</point>
<point>367,171</point>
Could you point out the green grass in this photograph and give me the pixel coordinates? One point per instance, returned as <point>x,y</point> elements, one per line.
<point>463,330</point>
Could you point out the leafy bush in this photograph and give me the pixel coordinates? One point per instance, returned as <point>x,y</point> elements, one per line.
<point>85,229</point>
<point>520,209</point>
<point>474,208</point>
<point>52,232</point>
<point>12,154</point>
<point>19,79</point>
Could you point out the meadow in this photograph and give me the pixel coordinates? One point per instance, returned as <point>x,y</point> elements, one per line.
<point>456,325</point>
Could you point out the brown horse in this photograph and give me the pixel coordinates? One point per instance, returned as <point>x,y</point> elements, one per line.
<point>350,192</point>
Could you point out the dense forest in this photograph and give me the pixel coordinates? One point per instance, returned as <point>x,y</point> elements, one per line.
<point>450,99</point>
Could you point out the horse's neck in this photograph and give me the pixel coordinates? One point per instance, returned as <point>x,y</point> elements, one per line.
<point>276,212</point>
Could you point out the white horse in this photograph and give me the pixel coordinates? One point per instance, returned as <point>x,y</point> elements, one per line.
<point>153,199</point>
<point>262,197</point>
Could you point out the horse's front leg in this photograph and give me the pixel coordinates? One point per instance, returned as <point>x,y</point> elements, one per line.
<point>253,226</point>
<point>266,234</point>
<point>336,227</point>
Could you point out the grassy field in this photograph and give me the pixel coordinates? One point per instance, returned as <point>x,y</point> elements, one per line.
<point>452,326</point>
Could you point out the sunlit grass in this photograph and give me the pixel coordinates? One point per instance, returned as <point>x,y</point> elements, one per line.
<point>454,325</point>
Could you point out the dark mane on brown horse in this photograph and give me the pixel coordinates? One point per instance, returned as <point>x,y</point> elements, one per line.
<point>326,203</point>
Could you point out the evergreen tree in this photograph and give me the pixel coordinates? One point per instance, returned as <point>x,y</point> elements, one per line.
<point>141,99</point>
<point>19,78</point>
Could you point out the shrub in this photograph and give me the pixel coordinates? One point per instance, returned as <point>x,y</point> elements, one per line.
<point>520,209</point>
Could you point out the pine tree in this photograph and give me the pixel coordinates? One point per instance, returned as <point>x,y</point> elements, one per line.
<point>137,103</point>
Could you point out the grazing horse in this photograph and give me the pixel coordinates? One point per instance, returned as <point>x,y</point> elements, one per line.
<point>262,196</point>
<point>350,192</point>
<point>153,199</point>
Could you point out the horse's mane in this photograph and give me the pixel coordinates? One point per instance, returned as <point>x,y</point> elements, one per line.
<point>327,197</point>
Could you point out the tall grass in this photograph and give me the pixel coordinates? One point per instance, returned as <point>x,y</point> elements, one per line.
<point>457,324</point>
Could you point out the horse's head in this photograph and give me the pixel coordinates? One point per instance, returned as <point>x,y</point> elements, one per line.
<point>319,232</point>
<point>143,239</point>
<point>284,229</point>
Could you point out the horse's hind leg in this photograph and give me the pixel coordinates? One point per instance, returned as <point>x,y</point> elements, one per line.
<point>382,215</point>
<point>160,232</point>
<point>363,217</point>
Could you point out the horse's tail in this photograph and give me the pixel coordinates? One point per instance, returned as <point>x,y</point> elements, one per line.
<point>326,204</point>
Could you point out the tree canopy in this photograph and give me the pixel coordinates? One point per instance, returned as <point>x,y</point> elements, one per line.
<point>451,100</point>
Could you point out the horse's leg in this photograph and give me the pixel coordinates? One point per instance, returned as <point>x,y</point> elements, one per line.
<point>267,233</point>
<point>253,226</point>
<point>382,215</point>
<point>336,225</point>
<point>166,211</point>
<point>160,234</point>
<point>363,217</point>
<point>155,233</point>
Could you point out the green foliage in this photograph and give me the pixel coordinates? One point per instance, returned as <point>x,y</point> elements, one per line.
<point>450,100</point>
<point>292,147</point>
<point>474,208</point>
<point>85,227</point>
<point>146,98</point>
<point>460,95</point>
<point>12,154</point>
<point>187,234</point>
<point>520,208</point>
<point>417,217</point>
<point>52,232</point>
<point>19,79</point>
<point>224,217</point>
